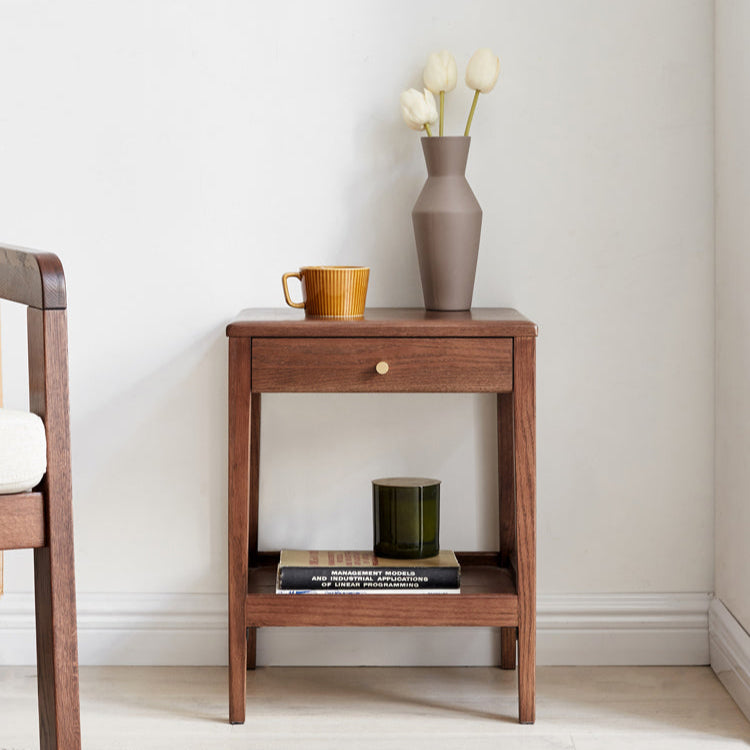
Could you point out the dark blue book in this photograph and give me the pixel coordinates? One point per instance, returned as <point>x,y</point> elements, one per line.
<point>363,572</point>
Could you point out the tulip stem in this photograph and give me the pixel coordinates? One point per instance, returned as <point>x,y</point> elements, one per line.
<point>471,113</point>
<point>427,128</point>
<point>442,110</point>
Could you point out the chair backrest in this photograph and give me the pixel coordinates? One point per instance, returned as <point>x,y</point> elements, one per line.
<point>33,279</point>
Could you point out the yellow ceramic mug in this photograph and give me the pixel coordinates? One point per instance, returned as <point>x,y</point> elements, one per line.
<point>330,291</point>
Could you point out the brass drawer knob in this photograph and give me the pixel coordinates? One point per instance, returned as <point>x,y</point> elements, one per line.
<point>382,368</point>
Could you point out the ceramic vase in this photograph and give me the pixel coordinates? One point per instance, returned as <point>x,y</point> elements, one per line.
<point>447,222</point>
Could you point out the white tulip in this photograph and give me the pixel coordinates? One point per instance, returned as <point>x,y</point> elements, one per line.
<point>482,71</point>
<point>440,76</point>
<point>419,110</point>
<point>440,72</point>
<point>481,75</point>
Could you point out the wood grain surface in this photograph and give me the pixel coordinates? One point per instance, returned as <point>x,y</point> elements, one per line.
<point>31,278</point>
<point>465,365</point>
<point>252,538</point>
<point>507,511</point>
<point>524,431</point>
<point>488,597</point>
<point>22,521</point>
<point>493,322</point>
<point>54,564</point>
<point>486,350</point>
<point>43,520</point>
<point>238,520</point>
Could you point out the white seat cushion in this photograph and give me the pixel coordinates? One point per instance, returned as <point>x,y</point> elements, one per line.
<point>23,451</point>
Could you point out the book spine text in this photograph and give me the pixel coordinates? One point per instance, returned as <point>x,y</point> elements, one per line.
<point>352,579</point>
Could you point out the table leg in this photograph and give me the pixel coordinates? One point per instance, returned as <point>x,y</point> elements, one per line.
<point>507,505</point>
<point>238,519</point>
<point>524,429</point>
<point>252,537</point>
<point>252,643</point>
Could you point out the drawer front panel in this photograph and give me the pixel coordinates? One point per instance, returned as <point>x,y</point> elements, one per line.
<point>460,365</point>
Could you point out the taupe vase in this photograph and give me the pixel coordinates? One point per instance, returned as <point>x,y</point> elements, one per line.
<point>447,222</point>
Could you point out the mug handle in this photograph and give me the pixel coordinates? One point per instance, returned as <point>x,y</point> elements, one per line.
<point>288,299</point>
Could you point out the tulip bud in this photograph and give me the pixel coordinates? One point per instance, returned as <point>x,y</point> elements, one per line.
<point>440,76</point>
<point>482,71</point>
<point>440,72</point>
<point>481,75</point>
<point>419,110</point>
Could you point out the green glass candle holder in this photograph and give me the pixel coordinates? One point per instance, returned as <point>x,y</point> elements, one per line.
<point>406,517</point>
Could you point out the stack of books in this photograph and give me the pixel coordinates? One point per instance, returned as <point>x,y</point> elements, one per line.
<point>362,572</point>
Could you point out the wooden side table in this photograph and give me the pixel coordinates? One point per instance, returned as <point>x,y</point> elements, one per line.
<point>484,350</point>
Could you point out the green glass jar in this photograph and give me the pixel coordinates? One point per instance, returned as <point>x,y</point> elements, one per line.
<point>406,517</point>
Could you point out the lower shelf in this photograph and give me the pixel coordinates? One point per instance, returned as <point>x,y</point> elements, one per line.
<point>488,598</point>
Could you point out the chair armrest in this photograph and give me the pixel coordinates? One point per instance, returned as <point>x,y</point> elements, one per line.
<point>33,279</point>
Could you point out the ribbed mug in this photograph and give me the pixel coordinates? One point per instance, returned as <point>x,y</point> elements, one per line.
<point>330,291</point>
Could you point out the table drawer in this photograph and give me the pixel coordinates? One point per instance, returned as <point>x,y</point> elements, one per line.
<point>470,365</point>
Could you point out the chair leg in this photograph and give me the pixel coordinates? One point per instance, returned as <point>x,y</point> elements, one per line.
<point>57,653</point>
<point>54,569</point>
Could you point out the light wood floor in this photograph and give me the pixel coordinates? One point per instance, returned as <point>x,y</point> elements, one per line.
<point>583,708</point>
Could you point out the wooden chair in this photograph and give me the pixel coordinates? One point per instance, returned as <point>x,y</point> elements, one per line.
<point>42,517</point>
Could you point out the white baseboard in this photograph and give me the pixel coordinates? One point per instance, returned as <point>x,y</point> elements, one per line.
<point>730,654</point>
<point>127,629</point>
<point>622,629</point>
<point>190,629</point>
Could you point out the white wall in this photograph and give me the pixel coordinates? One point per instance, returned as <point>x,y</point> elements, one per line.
<point>733,309</point>
<point>729,617</point>
<point>180,156</point>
